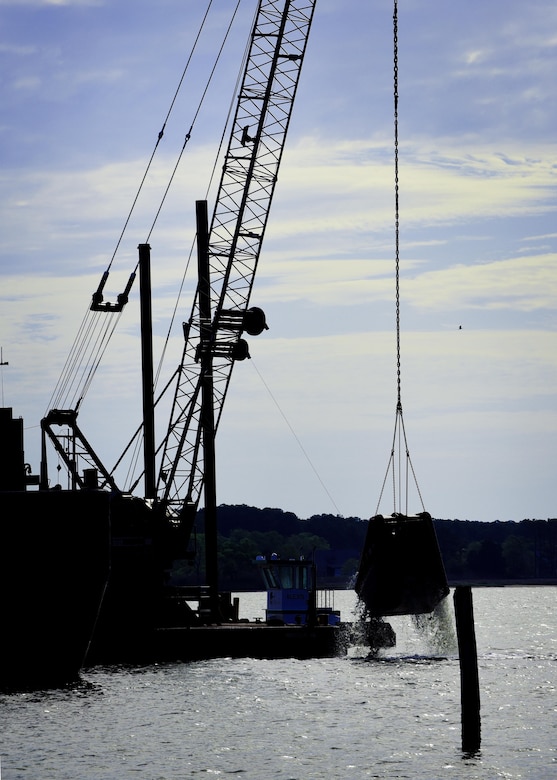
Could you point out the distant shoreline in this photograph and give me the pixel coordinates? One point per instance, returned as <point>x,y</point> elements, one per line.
<point>452,584</point>
<point>502,583</point>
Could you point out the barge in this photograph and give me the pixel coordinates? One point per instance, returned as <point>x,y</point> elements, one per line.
<point>54,568</point>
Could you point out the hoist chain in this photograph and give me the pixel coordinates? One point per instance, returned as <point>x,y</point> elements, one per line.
<point>395,467</point>
<point>397,227</point>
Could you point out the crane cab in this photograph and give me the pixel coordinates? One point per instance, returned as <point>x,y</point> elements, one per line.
<point>292,596</point>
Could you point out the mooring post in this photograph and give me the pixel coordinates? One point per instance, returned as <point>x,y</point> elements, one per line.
<point>469,680</point>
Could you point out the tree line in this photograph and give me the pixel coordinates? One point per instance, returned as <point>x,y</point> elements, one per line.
<point>471,550</point>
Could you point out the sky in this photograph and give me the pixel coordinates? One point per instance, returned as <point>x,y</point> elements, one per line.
<point>308,423</point>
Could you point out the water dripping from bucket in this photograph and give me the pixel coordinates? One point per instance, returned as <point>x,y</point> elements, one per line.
<point>436,630</point>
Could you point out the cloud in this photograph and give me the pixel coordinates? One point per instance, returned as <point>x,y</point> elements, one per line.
<point>453,182</point>
<point>522,284</point>
<point>477,212</point>
<point>18,50</point>
<point>441,371</point>
<point>41,3</point>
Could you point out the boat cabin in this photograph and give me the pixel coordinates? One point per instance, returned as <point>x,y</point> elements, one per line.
<point>292,595</point>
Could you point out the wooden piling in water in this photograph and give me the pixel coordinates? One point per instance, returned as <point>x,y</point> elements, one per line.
<point>469,679</point>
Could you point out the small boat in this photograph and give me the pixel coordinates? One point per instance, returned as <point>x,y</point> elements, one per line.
<point>292,595</point>
<point>401,571</point>
<point>294,600</point>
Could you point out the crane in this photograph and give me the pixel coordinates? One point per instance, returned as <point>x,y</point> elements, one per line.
<point>221,313</point>
<point>273,63</point>
<point>251,163</point>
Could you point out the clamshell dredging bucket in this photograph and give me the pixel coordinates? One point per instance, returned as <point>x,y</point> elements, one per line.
<point>401,570</point>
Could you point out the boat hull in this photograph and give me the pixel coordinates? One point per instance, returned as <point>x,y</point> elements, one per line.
<point>54,566</point>
<point>249,640</point>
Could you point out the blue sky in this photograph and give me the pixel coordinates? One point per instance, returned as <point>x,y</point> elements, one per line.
<point>85,86</point>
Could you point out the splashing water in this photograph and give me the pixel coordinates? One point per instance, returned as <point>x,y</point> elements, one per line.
<point>369,634</point>
<point>427,635</point>
<point>436,629</point>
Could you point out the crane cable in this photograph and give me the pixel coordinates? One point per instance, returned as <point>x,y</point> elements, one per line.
<point>161,132</point>
<point>134,444</point>
<point>400,488</point>
<point>207,191</point>
<point>196,114</point>
<point>84,359</point>
<point>397,209</point>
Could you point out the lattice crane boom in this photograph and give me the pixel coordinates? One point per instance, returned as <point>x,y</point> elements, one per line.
<point>275,55</point>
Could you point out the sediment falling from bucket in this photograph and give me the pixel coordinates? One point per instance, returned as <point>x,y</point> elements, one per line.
<point>437,630</point>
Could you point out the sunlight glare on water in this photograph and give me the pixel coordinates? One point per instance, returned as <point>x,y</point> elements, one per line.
<point>344,718</point>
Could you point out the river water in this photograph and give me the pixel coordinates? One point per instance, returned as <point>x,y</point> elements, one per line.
<point>332,719</point>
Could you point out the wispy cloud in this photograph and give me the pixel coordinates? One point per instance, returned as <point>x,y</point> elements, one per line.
<point>84,92</point>
<point>41,3</point>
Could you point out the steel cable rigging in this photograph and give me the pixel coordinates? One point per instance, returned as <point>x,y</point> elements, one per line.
<point>209,185</point>
<point>400,465</point>
<point>134,445</point>
<point>101,318</point>
<point>263,106</point>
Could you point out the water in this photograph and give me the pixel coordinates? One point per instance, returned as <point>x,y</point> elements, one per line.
<point>333,719</point>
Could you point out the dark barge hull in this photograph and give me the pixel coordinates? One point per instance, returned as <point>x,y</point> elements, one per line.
<point>54,565</point>
<point>401,570</point>
<point>235,640</point>
<point>249,640</point>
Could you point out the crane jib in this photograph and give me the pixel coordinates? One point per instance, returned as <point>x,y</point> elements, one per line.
<point>259,128</point>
